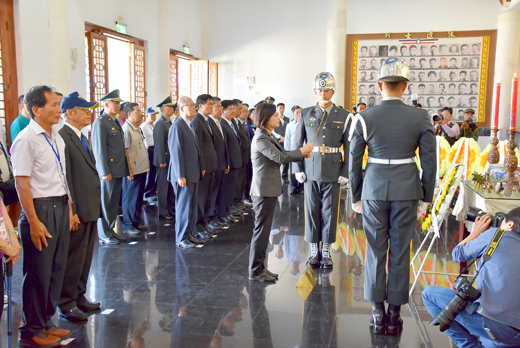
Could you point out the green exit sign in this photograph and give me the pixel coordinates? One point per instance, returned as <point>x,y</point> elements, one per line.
<point>186,49</point>
<point>121,28</point>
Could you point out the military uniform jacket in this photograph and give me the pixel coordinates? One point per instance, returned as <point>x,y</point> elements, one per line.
<point>108,143</point>
<point>208,155</point>
<point>160,141</point>
<point>334,131</point>
<point>394,131</point>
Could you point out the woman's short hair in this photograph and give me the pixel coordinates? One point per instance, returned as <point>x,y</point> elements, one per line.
<point>263,114</point>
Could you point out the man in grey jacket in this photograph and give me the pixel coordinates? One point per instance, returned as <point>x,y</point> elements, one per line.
<point>390,190</point>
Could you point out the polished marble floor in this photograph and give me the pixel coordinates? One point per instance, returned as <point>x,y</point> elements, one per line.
<point>159,296</point>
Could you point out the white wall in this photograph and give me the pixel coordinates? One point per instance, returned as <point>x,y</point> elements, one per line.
<point>282,43</point>
<point>142,19</point>
<point>382,16</point>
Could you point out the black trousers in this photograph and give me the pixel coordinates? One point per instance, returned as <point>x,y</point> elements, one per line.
<point>296,185</point>
<point>110,200</point>
<point>43,271</point>
<point>133,192</point>
<point>165,194</point>
<point>225,200</point>
<point>285,170</point>
<point>79,259</point>
<point>264,212</point>
<point>150,188</point>
<point>388,222</point>
<point>204,201</point>
<point>216,191</point>
<point>185,209</point>
<point>239,185</point>
<point>247,181</point>
<point>321,211</point>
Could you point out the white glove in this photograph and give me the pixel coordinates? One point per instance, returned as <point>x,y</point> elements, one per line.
<point>301,177</point>
<point>421,207</point>
<point>342,180</point>
<point>357,207</point>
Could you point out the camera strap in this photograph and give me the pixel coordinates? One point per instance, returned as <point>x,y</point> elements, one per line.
<point>493,245</point>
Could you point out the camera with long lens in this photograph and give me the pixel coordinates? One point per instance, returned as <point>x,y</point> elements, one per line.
<point>436,118</point>
<point>496,220</point>
<point>465,293</point>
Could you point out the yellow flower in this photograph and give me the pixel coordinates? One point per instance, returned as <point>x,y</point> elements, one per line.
<point>473,156</point>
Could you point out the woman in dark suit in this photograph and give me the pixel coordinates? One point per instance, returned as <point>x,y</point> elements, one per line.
<point>266,156</point>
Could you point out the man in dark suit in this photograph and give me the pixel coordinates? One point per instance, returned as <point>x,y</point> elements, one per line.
<point>280,134</point>
<point>325,171</point>
<point>232,137</point>
<point>165,198</point>
<point>219,142</point>
<point>111,163</point>
<point>85,191</point>
<point>245,147</point>
<point>208,158</point>
<point>184,171</point>
<point>389,192</point>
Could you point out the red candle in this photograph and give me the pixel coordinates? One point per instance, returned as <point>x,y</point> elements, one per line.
<point>497,104</point>
<point>514,102</point>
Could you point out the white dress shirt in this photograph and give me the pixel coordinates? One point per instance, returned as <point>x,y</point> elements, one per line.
<point>33,156</point>
<point>147,129</point>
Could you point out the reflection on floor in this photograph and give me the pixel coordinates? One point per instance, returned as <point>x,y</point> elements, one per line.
<point>163,297</point>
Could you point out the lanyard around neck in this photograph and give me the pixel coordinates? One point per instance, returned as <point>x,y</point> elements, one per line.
<point>56,151</point>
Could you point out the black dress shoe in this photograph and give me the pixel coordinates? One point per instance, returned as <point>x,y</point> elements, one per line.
<point>378,320</point>
<point>121,239</point>
<point>185,244</point>
<point>326,262</point>
<point>395,323</point>
<point>263,277</point>
<point>221,223</point>
<point>142,228</point>
<point>233,219</point>
<point>167,217</point>
<point>196,241</point>
<point>314,261</point>
<point>213,234</point>
<point>89,306</point>
<point>212,226</point>
<point>274,275</point>
<point>75,315</point>
<point>108,241</point>
<point>294,192</point>
<point>132,231</point>
<point>201,235</point>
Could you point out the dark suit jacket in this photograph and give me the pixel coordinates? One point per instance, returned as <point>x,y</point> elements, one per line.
<point>266,156</point>
<point>219,142</point>
<point>185,159</point>
<point>82,177</point>
<point>245,142</point>
<point>394,131</point>
<point>280,130</point>
<point>333,133</point>
<point>109,147</point>
<point>232,144</point>
<point>206,147</point>
<point>160,141</point>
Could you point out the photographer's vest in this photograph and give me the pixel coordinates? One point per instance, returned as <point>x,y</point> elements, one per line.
<point>442,132</point>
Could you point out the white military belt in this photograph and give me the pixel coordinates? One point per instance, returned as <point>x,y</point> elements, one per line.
<point>391,161</point>
<point>326,149</point>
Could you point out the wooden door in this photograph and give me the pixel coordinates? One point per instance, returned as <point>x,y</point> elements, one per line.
<point>213,79</point>
<point>8,74</point>
<point>174,77</point>
<point>138,71</point>
<point>97,67</point>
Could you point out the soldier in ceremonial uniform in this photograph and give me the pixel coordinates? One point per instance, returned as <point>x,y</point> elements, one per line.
<point>327,125</point>
<point>108,143</point>
<point>389,194</point>
<point>165,195</point>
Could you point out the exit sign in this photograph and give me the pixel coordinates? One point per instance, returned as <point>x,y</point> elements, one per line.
<point>186,49</point>
<point>121,28</point>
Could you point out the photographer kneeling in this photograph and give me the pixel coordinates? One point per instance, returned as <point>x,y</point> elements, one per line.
<point>495,316</point>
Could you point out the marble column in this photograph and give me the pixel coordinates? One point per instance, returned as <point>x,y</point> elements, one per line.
<point>336,46</point>
<point>164,48</point>
<point>507,63</point>
<point>59,46</point>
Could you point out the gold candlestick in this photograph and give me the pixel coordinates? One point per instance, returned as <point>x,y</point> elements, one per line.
<point>510,164</point>
<point>494,154</point>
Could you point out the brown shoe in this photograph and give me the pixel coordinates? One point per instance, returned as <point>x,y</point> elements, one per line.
<point>41,340</point>
<point>57,332</point>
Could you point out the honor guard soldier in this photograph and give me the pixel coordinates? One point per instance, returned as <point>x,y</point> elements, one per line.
<point>165,195</point>
<point>327,125</point>
<point>389,193</point>
<point>108,143</point>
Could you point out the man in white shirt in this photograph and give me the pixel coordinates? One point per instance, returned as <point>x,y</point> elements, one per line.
<point>38,158</point>
<point>150,188</point>
<point>297,187</point>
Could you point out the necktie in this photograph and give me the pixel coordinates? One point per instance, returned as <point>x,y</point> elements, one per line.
<point>220,128</point>
<point>85,144</point>
<point>233,127</point>
<point>245,128</point>
<point>209,128</point>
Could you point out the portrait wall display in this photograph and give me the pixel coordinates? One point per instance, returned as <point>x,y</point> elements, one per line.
<point>443,72</point>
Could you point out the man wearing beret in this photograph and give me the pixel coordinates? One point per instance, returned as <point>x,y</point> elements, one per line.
<point>108,143</point>
<point>85,191</point>
<point>468,129</point>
